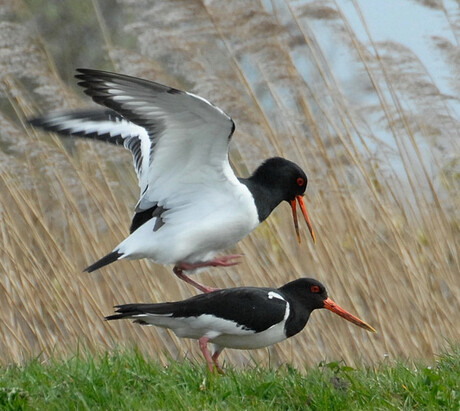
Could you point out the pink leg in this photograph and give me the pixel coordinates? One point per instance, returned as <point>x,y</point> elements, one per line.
<point>224,261</point>
<point>178,271</point>
<point>204,349</point>
<point>214,359</point>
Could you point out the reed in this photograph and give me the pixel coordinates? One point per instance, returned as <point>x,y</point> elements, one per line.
<point>382,194</point>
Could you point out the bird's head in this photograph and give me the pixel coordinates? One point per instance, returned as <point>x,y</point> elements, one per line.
<point>288,181</point>
<point>313,295</point>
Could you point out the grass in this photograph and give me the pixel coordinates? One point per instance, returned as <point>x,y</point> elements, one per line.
<point>382,192</point>
<point>128,380</point>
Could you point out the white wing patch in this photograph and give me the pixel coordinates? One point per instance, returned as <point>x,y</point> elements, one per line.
<point>272,294</point>
<point>104,125</point>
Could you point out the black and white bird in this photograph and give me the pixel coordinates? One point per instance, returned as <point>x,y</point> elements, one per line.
<point>242,318</point>
<point>191,204</point>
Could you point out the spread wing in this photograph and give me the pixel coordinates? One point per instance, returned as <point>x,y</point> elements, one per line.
<point>187,136</point>
<point>105,125</point>
<point>179,141</point>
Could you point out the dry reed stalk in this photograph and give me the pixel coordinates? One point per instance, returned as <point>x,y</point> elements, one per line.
<point>387,240</point>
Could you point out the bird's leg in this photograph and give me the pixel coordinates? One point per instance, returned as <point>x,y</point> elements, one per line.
<point>214,358</point>
<point>178,270</point>
<point>224,261</point>
<point>204,349</point>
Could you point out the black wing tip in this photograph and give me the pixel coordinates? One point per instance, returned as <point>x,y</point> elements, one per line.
<point>84,75</point>
<point>90,78</point>
<point>172,90</point>
<point>232,130</point>
<point>45,122</point>
<point>38,121</point>
<point>108,259</point>
<point>83,71</point>
<point>87,74</point>
<point>113,317</point>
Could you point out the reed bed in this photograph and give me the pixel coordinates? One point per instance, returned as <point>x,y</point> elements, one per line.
<point>382,165</point>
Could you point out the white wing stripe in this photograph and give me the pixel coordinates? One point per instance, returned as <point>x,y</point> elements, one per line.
<point>182,138</point>
<point>209,103</point>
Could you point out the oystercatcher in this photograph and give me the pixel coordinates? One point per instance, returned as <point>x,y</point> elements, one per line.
<point>242,318</point>
<point>191,205</point>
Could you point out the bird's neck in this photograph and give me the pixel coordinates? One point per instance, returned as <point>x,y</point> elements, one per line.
<point>299,307</point>
<point>266,198</point>
<point>298,318</point>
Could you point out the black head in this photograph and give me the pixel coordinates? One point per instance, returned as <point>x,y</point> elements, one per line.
<point>308,294</point>
<point>277,180</point>
<point>285,179</point>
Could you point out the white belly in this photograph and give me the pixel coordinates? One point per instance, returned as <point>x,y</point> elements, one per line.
<point>197,232</point>
<point>223,333</point>
<point>265,338</point>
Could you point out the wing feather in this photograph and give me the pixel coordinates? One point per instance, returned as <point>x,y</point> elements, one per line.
<point>261,311</point>
<point>188,135</point>
<point>105,125</point>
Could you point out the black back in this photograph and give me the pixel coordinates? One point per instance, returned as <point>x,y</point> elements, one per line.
<point>246,306</point>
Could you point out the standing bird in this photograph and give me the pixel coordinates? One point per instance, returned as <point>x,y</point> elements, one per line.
<point>192,205</point>
<point>242,317</point>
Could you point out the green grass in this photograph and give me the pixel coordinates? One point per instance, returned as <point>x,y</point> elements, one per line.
<point>127,380</point>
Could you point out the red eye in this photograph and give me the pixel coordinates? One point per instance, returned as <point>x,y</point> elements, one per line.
<point>314,289</point>
<point>300,181</point>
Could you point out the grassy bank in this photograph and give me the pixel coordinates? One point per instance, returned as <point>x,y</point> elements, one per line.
<point>130,381</point>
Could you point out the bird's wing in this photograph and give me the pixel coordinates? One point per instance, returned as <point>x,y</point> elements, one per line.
<point>106,125</point>
<point>249,308</point>
<point>188,137</point>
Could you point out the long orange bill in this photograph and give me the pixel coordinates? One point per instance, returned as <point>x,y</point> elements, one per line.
<point>294,216</point>
<point>305,214</point>
<point>332,306</point>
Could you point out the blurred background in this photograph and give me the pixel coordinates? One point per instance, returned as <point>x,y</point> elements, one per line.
<point>364,95</point>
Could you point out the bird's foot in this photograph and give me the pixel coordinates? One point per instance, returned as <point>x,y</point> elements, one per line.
<point>178,270</point>
<point>218,367</point>
<point>211,361</point>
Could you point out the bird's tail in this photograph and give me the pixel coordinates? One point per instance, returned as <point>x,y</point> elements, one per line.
<point>126,311</point>
<point>109,258</point>
<point>145,314</point>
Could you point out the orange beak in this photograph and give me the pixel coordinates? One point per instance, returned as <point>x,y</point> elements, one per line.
<point>332,306</point>
<point>305,214</point>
